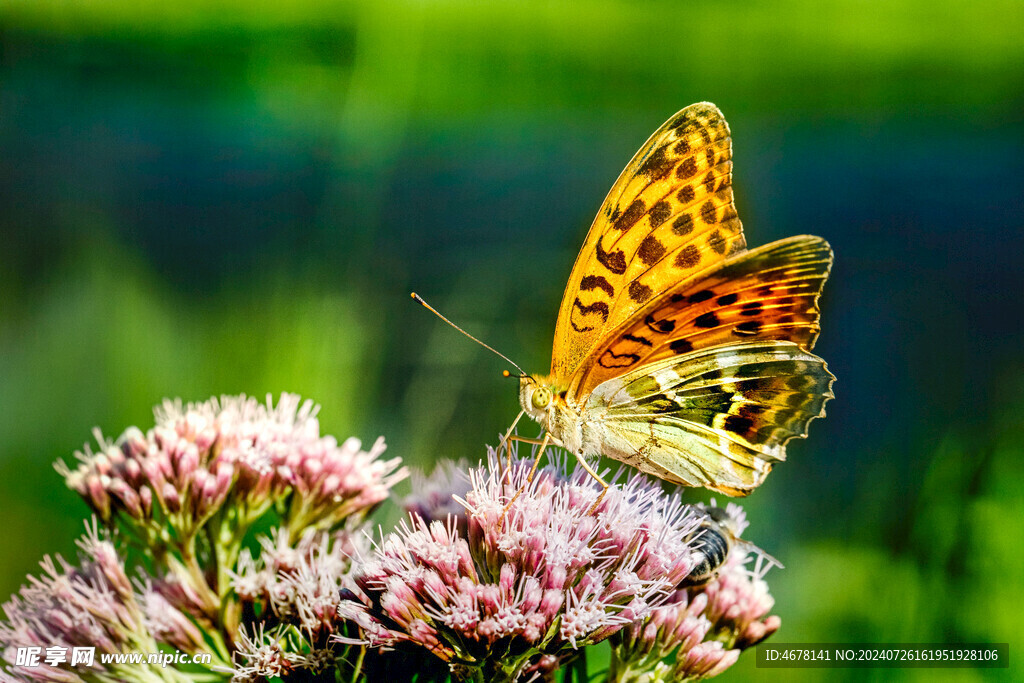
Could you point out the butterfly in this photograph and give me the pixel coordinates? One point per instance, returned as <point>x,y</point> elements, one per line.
<point>677,350</point>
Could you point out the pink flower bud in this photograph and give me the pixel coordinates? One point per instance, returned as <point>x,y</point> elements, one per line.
<point>225,473</point>
<point>555,577</point>
<point>433,585</point>
<point>551,603</point>
<point>312,467</point>
<point>97,495</point>
<point>329,486</point>
<point>188,462</point>
<point>507,580</point>
<point>101,463</point>
<point>532,594</point>
<point>128,497</point>
<point>171,498</point>
<point>146,500</point>
<point>206,438</point>
<point>211,495</point>
<point>132,470</point>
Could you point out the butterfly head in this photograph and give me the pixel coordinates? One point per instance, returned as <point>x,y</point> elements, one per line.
<point>538,398</point>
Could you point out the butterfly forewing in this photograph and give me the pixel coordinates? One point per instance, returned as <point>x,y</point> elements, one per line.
<point>718,417</point>
<point>669,217</point>
<point>766,293</point>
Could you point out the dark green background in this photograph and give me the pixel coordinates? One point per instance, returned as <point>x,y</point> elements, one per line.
<point>218,196</point>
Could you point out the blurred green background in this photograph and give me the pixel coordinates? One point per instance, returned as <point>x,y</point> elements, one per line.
<point>218,196</point>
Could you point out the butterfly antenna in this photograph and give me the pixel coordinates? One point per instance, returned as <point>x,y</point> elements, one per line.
<point>430,308</point>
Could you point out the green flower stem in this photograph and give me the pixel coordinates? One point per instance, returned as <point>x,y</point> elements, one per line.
<point>518,669</point>
<point>577,668</point>
<point>188,570</point>
<point>357,668</point>
<point>618,670</point>
<point>196,578</point>
<point>299,517</point>
<point>476,675</point>
<point>221,650</point>
<point>225,531</point>
<point>226,546</point>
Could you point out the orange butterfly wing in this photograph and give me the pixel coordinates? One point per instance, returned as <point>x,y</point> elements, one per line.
<point>669,217</point>
<point>768,293</point>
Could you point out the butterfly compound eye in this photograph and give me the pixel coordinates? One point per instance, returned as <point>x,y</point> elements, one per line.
<point>541,398</point>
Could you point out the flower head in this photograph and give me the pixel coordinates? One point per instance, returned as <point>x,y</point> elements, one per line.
<point>543,577</point>
<point>91,605</point>
<point>293,593</point>
<point>200,455</point>
<point>260,656</point>
<point>189,488</point>
<point>299,586</point>
<point>739,602</point>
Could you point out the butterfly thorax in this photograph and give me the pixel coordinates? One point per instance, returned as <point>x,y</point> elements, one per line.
<point>547,403</point>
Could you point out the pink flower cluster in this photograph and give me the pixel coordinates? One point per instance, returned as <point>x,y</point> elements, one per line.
<point>198,455</point>
<point>739,602</point>
<point>494,576</point>
<point>292,594</point>
<point>93,605</point>
<point>544,577</point>
<point>641,650</point>
<point>298,586</point>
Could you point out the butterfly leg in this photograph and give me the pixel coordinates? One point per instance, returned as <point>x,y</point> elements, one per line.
<point>600,481</point>
<point>524,439</point>
<point>536,461</point>
<point>529,478</point>
<point>505,439</point>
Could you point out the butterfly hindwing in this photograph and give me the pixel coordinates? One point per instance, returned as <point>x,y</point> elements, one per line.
<point>767,293</point>
<point>718,418</point>
<point>669,216</point>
